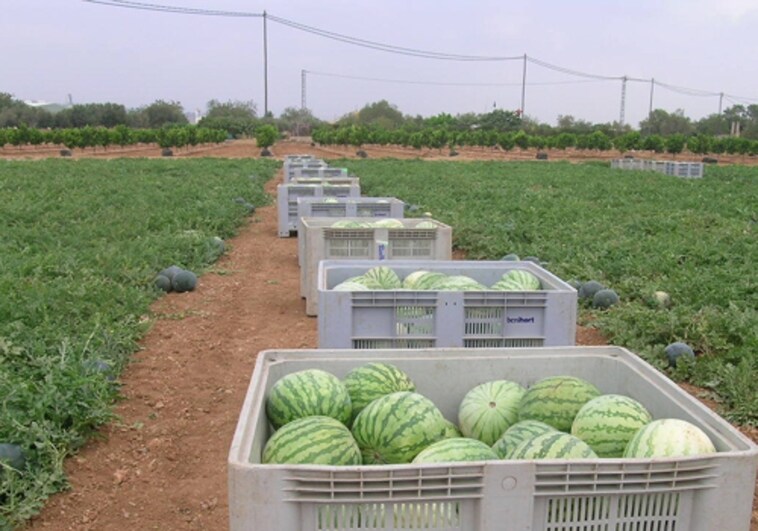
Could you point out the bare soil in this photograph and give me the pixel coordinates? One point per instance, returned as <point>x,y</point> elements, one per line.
<point>163,465</point>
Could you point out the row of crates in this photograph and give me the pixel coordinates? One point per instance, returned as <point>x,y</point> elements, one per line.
<point>450,342</point>
<point>687,170</point>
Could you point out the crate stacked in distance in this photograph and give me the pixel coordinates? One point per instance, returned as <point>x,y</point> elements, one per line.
<point>351,239</point>
<point>686,170</point>
<point>288,193</point>
<point>702,491</point>
<point>460,313</point>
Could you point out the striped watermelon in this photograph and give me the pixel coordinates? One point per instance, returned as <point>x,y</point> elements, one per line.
<point>426,225</point>
<point>429,281</point>
<point>393,429</point>
<point>350,224</point>
<point>389,223</point>
<point>517,280</point>
<point>518,433</point>
<point>669,438</point>
<point>553,445</point>
<point>380,277</point>
<point>305,394</point>
<point>459,283</point>
<point>489,409</point>
<point>556,400</point>
<point>451,430</point>
<point>350,285</point>
<point>608,422</point>
<point>316,440</point>
<point>410,281</point>
<point>368,382</point>
<point>458,449</point>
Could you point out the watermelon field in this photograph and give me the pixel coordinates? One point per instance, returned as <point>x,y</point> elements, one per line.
<point>635,232</point>
<point>83,239</point>
<point>81,243</point>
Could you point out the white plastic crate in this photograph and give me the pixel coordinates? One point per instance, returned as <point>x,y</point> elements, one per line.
<point>702,493</point>
<point>339,179</point>
<point>316,171</point>
<point>292,166</point>
<point>320,241</point>
<point>686,170</point>
<point>429,319</point>
<point>627,164</point>
<point>287,194</point>
<point>351,207</point>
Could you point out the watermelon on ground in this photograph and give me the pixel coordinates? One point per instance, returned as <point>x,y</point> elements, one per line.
<point>316,440</point>
<point>373,380</point>
<point>489,409</point>
<point>669,438</point>
<point>518,433</point>
<point>307,393</point>
<point>453,450</point>
<point>394,428</point>
<point>556,400</point>
<point>608,422</point>
<point>553,445</point>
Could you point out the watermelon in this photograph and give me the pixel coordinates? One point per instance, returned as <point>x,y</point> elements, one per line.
<point>330,200</point>
<point>669,438</point>
<point>410,281</point>
<point>380,277</point>
<point>608,422</point>
<point>373,380</point>
<point>604,299</point>
<point>459,283</point>
<point>588,289</point>
<point>553,445</point>
<point>556,400</point>
<point>451,430</point>
<point>510,258</point>
<point>184,281</point>
<point>518,433</point>
<point>350,224</point>
<point>307,393</point>
<point>429,281</point>
<point>11,455</point>
<point>676,350</point>
<point>489,409</point>
<point>453,450</point>
<point>389,223</point>
<point>662,299</point>
<point>316,440</point>
<point>394,428</point>
<point>517,280</point>
<point>426,225</point>
<point>170,271</point>
<point>350,286</point>
<point>163,283</point>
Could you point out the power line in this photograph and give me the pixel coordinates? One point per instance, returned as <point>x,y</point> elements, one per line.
<point>406,51</point>
<point>446,83</point>
<point>173,9</point>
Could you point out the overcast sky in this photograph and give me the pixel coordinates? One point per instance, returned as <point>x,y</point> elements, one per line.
<point>52,48</point>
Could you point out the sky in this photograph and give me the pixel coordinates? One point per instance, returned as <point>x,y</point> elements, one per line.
<point>96,53</point>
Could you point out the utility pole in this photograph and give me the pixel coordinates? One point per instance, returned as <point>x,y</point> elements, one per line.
<point>265,68</point>
<point>652,89</point>
<point>303,106</point>
<point>523,88</point>
<point>721,101</point>
<point>623,102</point>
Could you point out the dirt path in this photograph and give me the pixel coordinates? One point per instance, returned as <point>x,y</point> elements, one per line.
<point>164,465</point>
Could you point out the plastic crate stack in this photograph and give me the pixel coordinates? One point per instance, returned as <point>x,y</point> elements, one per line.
<point>685,170</point>
<point>450,342</point>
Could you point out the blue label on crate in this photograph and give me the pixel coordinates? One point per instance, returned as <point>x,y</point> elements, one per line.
<point>519,320</point>
<point>382,250</point>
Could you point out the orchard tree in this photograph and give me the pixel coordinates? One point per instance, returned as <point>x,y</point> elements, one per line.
<point>266,135</point>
